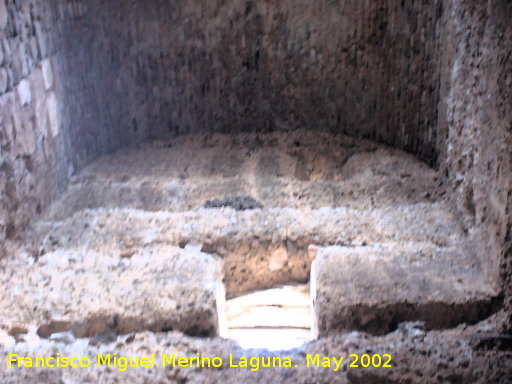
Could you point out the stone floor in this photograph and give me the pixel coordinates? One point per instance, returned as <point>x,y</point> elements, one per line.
<point>142,251</point>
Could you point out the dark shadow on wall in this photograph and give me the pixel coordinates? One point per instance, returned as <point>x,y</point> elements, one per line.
<point>151,69</point>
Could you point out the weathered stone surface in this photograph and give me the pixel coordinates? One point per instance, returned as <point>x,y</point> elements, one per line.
<point>34,165</point>
<point>383,193</point>
<point>368,70</point>
<point>374,288</point>
<point>156,288</point>
<point>260,248</point>
<point>240,203</point>
<point>46,66</point>
<point>295,170</point>
<point>431,77</point>
<point>52,108</point>
<point>3,15</point>
<point>417,357</point>
<point>24,92</point>
<point>478,156</point>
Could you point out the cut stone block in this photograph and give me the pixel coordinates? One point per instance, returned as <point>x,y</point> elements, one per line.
<point>375,288</point>
<point>260,248</point>
<point>268,170</point>
<point>158,288</point>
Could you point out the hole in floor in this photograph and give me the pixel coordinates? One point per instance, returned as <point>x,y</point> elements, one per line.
<point>273,319</point>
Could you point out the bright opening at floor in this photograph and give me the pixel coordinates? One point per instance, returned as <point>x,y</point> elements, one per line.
<point>274,319</point>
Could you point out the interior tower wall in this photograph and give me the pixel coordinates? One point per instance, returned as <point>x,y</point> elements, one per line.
<point>478,156</point>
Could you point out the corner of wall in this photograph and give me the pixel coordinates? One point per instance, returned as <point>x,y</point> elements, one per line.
<point>478,130</point>
<point>33,162</point>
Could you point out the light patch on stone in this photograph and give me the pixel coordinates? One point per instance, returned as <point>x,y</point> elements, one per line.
<point>52,107</point>
<point>27,139</point>
<point>3,15</point>
<point>24,92</point>
<point>47,73</point>
<point>4,79</point>
<point>278,259</point>
<point>221,306</point>
<point>194,247</point>
<point>41,116</point>
<point>6,340</point>
<point>71,171</point>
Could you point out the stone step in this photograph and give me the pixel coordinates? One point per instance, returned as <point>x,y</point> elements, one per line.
<point>261,248</point>
<point>158,288</point>
<point>374,288</point>
<point>297,170</point>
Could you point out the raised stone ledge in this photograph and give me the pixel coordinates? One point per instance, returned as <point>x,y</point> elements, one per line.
<point>157,288</point>
<point>374,288</point>
<point>261,248</point>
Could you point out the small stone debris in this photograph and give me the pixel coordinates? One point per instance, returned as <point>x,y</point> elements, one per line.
<point>239,203</point>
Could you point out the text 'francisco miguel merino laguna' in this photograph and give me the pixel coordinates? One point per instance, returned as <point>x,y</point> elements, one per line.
<point>122,363</point>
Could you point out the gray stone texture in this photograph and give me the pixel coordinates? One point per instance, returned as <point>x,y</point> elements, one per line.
<point>158,68</point>
<point>81,78</point>
<point>375,288</point>
<point>125,71</point>
<point>33,157</point>
<point>157,288</point>
<point>478,159</point>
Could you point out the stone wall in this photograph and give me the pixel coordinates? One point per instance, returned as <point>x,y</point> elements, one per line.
<point>33,168</point>
<point>158,68</point>
<point>80,78</point>
<point>105,107</point>
<point>479,126</point>
<point>431,77</point>
<point>44,78</point>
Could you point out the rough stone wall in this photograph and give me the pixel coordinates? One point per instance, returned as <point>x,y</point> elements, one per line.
<point>105,107</point>
<point>32,161</point>
<point>479,134</point>
<point>156,68</point>
<point>80,78</point>
<point>38,103</point>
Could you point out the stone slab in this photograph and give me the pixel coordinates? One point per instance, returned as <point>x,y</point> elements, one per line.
<point>374,288</point>
<point>158,288</point>
<point>261,248</point>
